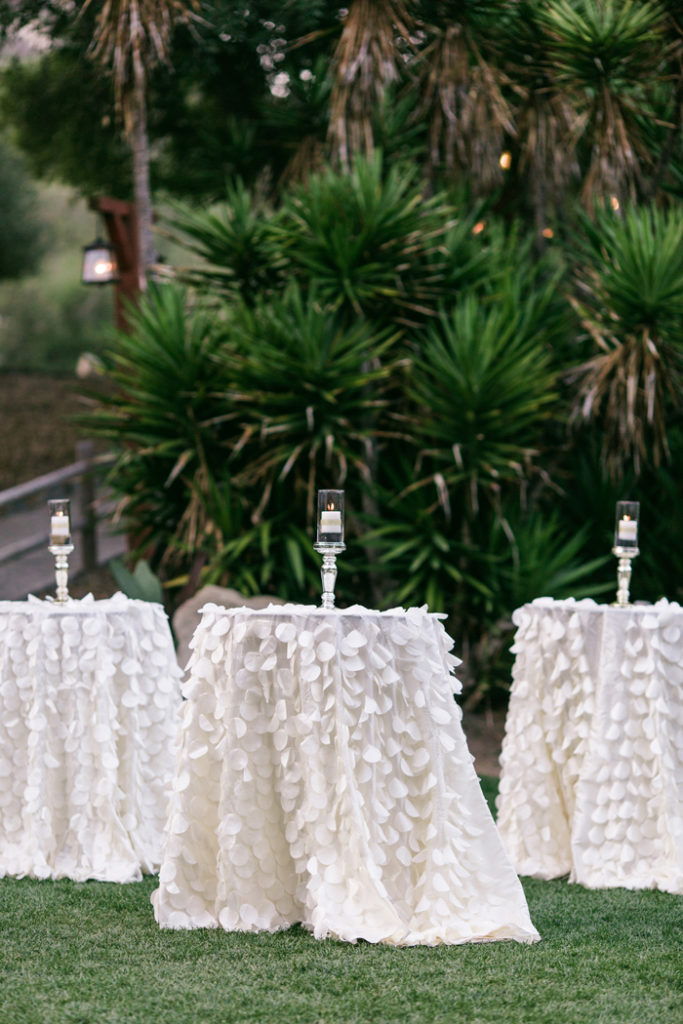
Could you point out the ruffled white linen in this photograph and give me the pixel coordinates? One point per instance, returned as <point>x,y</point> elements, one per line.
<point>592,759</point>
<point>323,778</point>
<point>89,693</point>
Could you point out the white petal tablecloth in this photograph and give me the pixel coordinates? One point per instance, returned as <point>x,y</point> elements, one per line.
<point>592,760</point>
<point>323,778</point>
<point>89,693</point>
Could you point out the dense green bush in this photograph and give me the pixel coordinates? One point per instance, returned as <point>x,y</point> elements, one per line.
<point>447,425</point>
<point>20,225</point>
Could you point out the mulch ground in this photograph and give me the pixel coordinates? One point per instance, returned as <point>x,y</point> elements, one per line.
<point>37,424</point>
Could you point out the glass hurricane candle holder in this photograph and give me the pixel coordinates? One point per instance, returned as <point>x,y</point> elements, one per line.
<point>625,547</point>
<point>329,539</point>
<point>60,545</point>
<point>330,517</point>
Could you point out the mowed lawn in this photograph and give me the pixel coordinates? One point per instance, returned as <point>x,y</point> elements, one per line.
<point>91,953</point>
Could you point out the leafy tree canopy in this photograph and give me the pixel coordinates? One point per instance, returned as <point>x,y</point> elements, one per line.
<point>579,98</point>
<point>212,113</point>
<point>20,229</point>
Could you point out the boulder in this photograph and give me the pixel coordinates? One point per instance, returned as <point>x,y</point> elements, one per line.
<point>186,616</point>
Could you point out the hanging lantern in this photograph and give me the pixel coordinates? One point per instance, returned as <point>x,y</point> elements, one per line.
<point>99,263</point>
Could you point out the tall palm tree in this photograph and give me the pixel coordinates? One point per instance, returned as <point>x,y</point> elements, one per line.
<point>132,37</point>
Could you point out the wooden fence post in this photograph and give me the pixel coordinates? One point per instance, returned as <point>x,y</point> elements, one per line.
<point>86,499</point>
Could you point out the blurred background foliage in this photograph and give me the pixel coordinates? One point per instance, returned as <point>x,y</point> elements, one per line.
<point>428,252</point>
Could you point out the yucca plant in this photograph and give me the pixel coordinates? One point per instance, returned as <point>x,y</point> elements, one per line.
<point>462,90</point>
<point>366,62</point>
<point>630,299</point>
<point>603,58</point>
<point>161,417</point>
<point>370,239</point>
<point>237,256</point>
<point>542,167</point>
<point>586,505</point>
<point>531,553</point>
<point>272,555</point>
<point>477,571</point>
<point>483,388</point>
<point>309,394</point>
<point>420,552</point>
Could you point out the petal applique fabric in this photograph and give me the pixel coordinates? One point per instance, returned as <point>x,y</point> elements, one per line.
<point>592,759</point>
<point>323,777</point>
<point>89,698</point>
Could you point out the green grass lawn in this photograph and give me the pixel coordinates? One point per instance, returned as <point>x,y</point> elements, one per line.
<point>85,953</point>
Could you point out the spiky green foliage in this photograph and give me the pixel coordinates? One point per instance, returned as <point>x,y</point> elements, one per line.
<point>605,56</point>
<point>311,365</point>
<point>419,545</point>
<point>482,388</point>
<point>308,394</point>
<point>162,419</point>
<point>370,239</point>
<point>430,418</point>
<point>630,274</point>
<point>234,243</point>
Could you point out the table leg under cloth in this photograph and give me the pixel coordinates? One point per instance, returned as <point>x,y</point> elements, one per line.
<point>323,777</point>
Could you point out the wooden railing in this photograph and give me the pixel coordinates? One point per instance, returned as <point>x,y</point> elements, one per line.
<point>77,481</point>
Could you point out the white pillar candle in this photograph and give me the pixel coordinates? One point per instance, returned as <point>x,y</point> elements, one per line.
<point>627,530</point>
<point>59,529</point>
<point>330,522</point>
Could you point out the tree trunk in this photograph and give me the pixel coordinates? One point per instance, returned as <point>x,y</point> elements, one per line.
<point>141,186</point>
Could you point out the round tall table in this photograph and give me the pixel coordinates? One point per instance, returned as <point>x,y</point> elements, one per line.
<point>89,693</point>
<point>323,778</point>
<point>592,761</point>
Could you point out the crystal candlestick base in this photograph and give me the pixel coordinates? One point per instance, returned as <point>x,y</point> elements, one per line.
<point>61,554</point>
<point>625,556</point>
<point>328,573</point>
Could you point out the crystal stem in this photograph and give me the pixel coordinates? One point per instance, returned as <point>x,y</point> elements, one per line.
<point>61,556</point>
<point>624,566</point>
<point>328,574</point>
<point>623,581</point>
